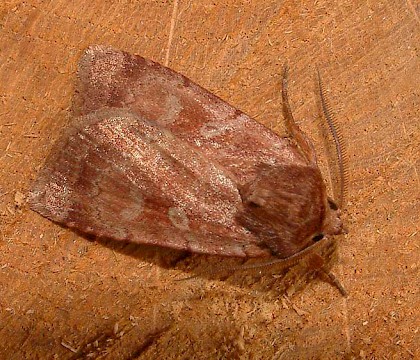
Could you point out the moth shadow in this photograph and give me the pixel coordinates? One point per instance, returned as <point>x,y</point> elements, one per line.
<point>274,280</point>
<point>164,257</point>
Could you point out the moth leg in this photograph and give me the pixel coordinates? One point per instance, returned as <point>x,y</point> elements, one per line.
<point>334,281</point>
<point>295,132</point>
<point>317,262</point>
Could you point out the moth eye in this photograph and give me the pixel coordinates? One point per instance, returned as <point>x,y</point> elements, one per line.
<point>332,204</point>
<point>318,237</point>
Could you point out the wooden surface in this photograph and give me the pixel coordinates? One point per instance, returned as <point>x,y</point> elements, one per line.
<point>64,296</point>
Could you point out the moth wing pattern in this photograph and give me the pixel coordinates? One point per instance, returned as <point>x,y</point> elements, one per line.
<point>114,78</point>
<point>153,158</point>
<point>116,175</point>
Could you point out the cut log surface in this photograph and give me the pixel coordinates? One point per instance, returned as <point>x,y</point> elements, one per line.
<point>66,296</point>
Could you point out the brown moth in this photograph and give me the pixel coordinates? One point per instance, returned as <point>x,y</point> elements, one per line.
<point>153,158</point>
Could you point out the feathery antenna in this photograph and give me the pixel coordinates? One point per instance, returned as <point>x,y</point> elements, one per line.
<point>338,140</point>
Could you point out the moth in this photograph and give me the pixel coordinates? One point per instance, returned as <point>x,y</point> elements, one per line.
<point>151,157</point>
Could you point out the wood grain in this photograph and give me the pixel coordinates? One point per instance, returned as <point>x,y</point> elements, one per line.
<point>65,296</point>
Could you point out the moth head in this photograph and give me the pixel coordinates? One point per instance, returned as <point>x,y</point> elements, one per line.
<point>333,225</point>
<point>286,207</point>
